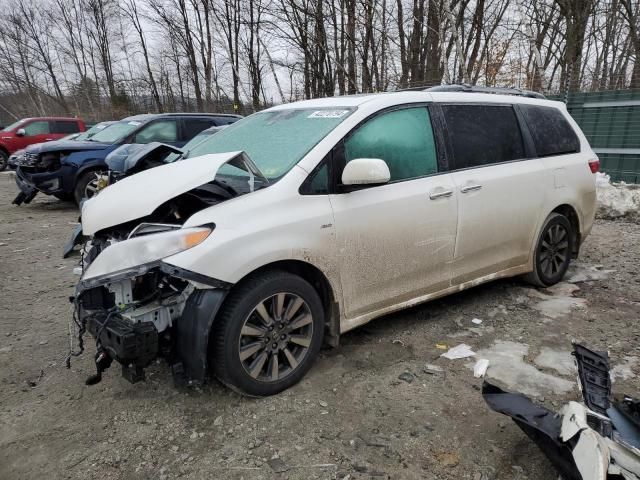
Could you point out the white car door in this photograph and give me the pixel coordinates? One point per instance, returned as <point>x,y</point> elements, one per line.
<point>500,191</point>
<point>395,241</point>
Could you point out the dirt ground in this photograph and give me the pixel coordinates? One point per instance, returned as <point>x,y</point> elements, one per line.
<point>352,417</point>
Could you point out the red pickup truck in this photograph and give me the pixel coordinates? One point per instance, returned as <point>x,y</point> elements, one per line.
<point>28,131</point>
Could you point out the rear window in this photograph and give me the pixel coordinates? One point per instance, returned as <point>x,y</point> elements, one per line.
<point>552,134</point>
<point>483,134</point>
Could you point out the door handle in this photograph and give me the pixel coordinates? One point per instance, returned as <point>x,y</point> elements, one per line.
<point>48,139</point>
<point>470,188</point>
<point>440,194</point>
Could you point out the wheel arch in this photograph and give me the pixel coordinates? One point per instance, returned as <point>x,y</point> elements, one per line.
<point>319,282</point>
<point>89,166</point>
<point>571,213</point>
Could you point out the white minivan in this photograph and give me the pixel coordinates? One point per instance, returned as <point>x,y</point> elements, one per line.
<point>306,220</point>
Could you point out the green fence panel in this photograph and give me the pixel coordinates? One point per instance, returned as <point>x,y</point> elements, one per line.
<point>611,122</point>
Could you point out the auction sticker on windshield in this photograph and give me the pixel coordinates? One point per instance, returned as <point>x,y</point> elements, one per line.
<point>328,114</point>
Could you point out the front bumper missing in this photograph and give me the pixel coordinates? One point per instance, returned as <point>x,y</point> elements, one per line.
<point>26,193</point>
<point>46,182</point>
<point>176,327</point>
<point>134,345</point>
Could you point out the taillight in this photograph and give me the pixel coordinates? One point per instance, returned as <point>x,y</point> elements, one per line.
<point>594,165</point>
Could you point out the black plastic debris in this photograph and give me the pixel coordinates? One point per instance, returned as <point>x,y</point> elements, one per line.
<point>597,440</point>
<point>540,424</point>
<point>593,371</point>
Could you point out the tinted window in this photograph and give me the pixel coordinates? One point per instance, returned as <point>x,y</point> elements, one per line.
<point>402,138</point>
<point>165,131</point>
<point>226,120</point>
<point>61,126</point>
<point>552,134</point>
<point>37,128</point>
<point>483,134</point>
<point>193,126</point>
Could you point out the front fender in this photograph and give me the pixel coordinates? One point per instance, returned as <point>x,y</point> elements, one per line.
<point>193,330</point>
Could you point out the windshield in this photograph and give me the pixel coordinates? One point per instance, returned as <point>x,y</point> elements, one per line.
<point>115,132</point>
<point>12,126</point>
<point>275,140</point>
<point>92,131</point>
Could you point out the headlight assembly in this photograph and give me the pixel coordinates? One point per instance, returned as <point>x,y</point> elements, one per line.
<point>137,255</point>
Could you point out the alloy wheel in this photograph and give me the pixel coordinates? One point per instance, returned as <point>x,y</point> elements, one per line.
<point>276,337</point>
<point>554,251</point>
<point>95,185</point>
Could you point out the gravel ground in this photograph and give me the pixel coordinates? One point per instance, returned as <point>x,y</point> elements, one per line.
<point>368,409</point>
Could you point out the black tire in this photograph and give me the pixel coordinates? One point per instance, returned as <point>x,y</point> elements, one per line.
<point>4,160</point>
<point>81,185</point>
<point>239,315</point>
<point>552,255</point>
<point>65,197</point>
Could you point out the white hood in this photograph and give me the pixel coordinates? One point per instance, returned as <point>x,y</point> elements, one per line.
<point>139,195</point>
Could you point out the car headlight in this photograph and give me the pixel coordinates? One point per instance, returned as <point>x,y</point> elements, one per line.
<point>135,256</point>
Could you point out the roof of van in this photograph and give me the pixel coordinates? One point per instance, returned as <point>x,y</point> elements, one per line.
<point>150,116</point>
<point>414,96</point>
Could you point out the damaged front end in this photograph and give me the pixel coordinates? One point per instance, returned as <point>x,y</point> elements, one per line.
<point>597,440</point>
<point>136,305</point>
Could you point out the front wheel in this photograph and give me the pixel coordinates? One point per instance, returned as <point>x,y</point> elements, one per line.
<point>87,185</point>
<point>553,251</point>
<point>268,333</point>
<point>4,160</point>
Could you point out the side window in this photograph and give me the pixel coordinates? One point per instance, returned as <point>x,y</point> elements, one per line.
<point>36,128</point>
<point>193,126</point>
<point>402,138</point>
<point>165,131</point>
<point>226,120</point>
<point>65,127</point>
<point>552,134</point>
<point>482,134</point>
<point>318,183</point>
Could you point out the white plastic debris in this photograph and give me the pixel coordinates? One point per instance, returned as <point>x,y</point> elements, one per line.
<point>476,321</point>
<point>460,351</point>
<point>480,368</point>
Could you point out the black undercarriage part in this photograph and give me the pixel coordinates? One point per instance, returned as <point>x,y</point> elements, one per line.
<point>134,345</point>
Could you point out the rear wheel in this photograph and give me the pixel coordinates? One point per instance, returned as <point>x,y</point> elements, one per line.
<point>553,251</point>
<point>267,334</point>
<point>4,160</point>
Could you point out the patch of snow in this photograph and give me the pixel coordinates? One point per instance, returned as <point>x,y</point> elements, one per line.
<point>616,200</point>
<point>579,272</point>
<point>558,360</point>
<point>507,365</point>
<point>624,371</point>
<point>557,301</point>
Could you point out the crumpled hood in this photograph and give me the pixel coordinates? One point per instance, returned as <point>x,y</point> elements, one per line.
<point>67,146</point>
<point>139,195</point>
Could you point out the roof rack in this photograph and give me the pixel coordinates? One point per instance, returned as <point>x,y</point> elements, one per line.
<point>477,89</point>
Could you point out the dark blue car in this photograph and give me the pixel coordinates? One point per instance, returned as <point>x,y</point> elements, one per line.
<point>65,168</point>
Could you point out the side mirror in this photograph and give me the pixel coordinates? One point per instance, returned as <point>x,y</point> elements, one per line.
<point>366,171</point>
<point>20,132</point>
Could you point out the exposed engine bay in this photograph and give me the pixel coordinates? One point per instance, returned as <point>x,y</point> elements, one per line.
<point>130,301</point>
